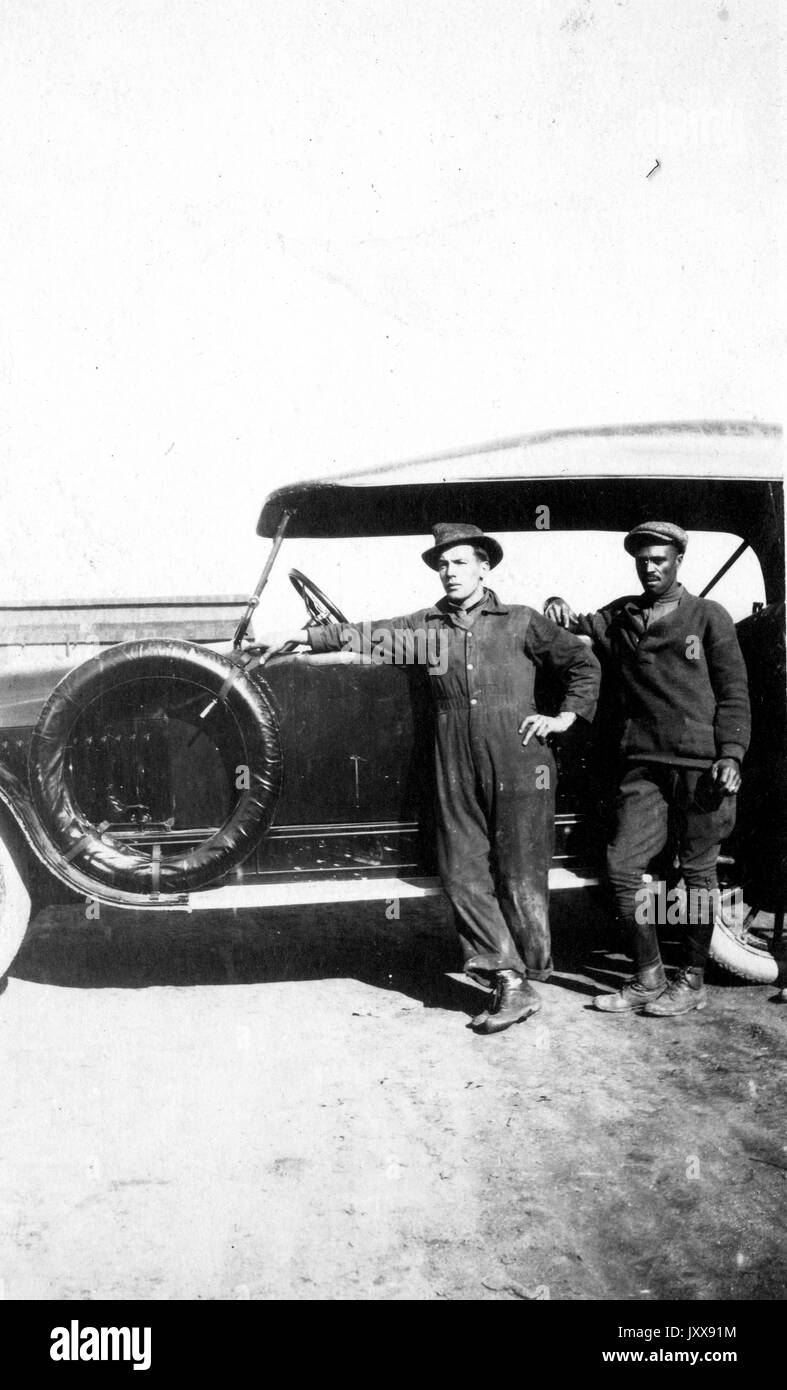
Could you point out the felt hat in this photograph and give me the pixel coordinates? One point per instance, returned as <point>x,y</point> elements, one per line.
<point>448,533</point>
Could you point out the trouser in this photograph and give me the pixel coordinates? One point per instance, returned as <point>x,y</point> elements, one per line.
<point>495,836</point>
<point>654,801</point>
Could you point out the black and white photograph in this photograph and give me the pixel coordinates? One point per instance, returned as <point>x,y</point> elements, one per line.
<point>393,724</point>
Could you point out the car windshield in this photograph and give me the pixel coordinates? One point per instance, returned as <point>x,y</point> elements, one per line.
<point>376,577</point>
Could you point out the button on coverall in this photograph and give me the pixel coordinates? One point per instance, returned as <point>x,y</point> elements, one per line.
<point>495,797</point>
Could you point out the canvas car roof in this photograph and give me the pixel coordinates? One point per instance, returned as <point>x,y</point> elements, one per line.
<point>709,476</point>
<point>492,483</point>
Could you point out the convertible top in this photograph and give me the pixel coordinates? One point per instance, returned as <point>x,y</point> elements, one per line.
<point>708,475</point>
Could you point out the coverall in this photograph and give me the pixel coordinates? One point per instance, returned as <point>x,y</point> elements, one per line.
<point>495,797</point>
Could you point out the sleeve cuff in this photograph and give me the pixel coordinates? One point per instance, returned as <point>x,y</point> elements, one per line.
<point>583,709</point>
<point>318,639</point>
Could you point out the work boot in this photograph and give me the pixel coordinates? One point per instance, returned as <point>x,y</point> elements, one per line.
<point>483,1016</point>
<point>686,992</point>
<point>514,1001</point>
<point>645,988</point>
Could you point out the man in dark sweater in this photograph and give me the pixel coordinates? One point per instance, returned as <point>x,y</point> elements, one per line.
<point>495,776</point>
<point>680,680</point>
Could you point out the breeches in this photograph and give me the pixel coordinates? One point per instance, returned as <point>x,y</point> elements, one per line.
<point>654,801</point>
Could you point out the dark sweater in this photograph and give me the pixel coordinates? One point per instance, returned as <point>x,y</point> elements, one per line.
<point>682,679</point>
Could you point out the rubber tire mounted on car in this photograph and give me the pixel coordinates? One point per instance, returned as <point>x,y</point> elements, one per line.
<point>15,908</point>
<point>108,860</point>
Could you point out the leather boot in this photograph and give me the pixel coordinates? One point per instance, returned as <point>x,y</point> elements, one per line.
<point>686,992</point>
<point>484,1014</point>
<point>646,987</point>
<point>514,1001</point>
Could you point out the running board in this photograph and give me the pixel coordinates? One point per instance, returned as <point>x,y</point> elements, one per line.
<point>290,894</point>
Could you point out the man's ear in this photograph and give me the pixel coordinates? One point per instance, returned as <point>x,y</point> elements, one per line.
<point>679,560</point>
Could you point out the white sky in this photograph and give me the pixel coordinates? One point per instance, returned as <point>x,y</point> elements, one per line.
<point>254,240</point>
<point>375,578</point>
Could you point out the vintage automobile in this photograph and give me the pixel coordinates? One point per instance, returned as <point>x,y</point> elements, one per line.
<point>146,761</point>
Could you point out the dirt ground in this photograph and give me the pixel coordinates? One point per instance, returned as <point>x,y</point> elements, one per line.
<point>231,1107</point>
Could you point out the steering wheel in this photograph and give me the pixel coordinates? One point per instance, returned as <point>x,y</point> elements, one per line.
<point>318,606</point>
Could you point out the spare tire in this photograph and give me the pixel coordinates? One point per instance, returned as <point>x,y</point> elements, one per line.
<point>211,680</point>
<point>740,952</point>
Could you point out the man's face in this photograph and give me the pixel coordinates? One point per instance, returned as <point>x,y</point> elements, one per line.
<point>462,573</point>
<point>657,568</point>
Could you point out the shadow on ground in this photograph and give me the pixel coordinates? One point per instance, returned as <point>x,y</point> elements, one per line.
<point>414,955</point>
<point>351,1146</point>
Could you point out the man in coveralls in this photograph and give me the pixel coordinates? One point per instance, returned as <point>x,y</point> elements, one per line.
<point>676,666</point>
<point>495,788</point>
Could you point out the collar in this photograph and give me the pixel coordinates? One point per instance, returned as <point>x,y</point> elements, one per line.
<point>673,595</point>
<point>489,604</point>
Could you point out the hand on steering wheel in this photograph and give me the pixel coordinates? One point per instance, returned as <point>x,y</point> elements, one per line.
<point>318,606</point>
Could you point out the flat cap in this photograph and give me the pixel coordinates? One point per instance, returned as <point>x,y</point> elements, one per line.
<point>656,533</point>
<point>448,533</point>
